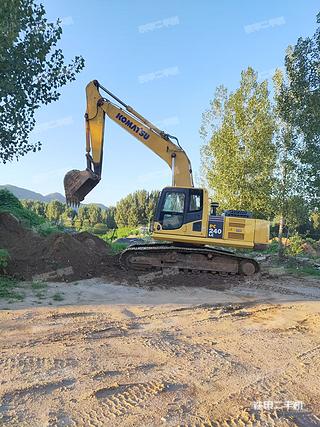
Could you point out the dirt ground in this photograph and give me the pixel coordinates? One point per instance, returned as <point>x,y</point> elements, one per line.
<point>238,353</point>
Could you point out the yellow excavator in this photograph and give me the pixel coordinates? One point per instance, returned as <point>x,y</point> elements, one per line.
<point>193,237</point>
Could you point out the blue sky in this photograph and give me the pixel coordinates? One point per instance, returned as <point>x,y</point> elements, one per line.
<point>163,58</point>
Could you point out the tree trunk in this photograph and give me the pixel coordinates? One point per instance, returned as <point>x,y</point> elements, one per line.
<point>280,234</point>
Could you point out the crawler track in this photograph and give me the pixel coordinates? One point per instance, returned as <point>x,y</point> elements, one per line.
<point>190,258</point>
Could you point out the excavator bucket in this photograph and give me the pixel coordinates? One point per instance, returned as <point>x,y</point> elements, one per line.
<point>77,184</point>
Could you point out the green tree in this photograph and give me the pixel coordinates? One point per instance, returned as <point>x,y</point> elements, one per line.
<point>94,214</point>
<point>109,217</point>
<point>39,208</point>
<point>238,157</point>
<point>288,189</point>
<point>136,209</point>
<point>315,219</point>
<point>68,217</point>
<point>299,106</point>
<point>32,71</point>
<point>28,204</point>
<point>83,214</point>
<point>54,211</point>
<point>151,205</point>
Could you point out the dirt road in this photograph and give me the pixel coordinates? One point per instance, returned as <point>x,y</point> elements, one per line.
<point>110,355</point>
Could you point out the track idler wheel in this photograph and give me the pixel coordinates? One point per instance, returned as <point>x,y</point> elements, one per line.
<point>248,267</point>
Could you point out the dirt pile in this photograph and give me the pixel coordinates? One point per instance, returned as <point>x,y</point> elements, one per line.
<point>56,257</point>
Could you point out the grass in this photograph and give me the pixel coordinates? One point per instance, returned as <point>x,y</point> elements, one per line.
<point>57,297</point>
<point>40,295</point>
<point>8,289</point>
<point>116,248</point>
<point>307,270</point>
<point>38,285</point>
<point>11,204</point>
<point>4,258</point>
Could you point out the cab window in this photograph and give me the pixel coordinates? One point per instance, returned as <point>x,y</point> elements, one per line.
<point>173,210</point>
<point>196,198</point>
<point>174,202</point>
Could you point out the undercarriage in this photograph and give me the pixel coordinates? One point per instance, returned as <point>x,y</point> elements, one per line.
<point>187,258</point>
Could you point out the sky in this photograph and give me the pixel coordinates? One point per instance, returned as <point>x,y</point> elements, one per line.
<point>163,58</point>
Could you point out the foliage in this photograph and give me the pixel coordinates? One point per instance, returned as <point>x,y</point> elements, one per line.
<point>117,248</point>
<point>272,247</point>
<point>47,228</point>
<point>127,231</point>
<point>136,209</point>
<point>54,210</point>
<point>9,203</point>
<point>100,228</point>
<point>38,285</point>
<point>4,259</point>
<point>289,201</point>
<point>295,247</point>
<point>299,105</point>
<point>94,214</point>
<point>32,71</point>
<point>7,289</point>
<point>57,297</point>
<point>108,217</point>
<point>238,157</point>
<point>119,233</point>
<point>305,270</point>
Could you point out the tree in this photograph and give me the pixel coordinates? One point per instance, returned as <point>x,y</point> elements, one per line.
<point>151,205</point>
<point>54,210</point>
<point>108,217</point>
<point>126,212</point>
<point>94,214</point>
<point>287,190</point>
<point>238,157</point>
<point>68,217</point>
<point>83,214</point>
<point>39,208</point>
<point>136,209</point>
<point>32,71</point>
<point>299,106</point>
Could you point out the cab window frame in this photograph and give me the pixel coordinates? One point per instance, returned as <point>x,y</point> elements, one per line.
<point>195,192</point>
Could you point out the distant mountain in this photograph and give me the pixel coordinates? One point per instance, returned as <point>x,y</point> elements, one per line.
<point>24,194</point>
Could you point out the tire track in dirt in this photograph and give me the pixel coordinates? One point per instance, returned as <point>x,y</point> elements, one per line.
<point>117,401</point>
<point>274,385</point>
<point>34,365</point>
<point>249,418</point>
<point>10,414</point>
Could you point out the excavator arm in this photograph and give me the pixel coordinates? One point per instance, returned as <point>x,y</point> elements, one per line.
<point>79,183</point>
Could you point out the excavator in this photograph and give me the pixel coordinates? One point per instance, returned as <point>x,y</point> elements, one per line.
<point>190,235</point>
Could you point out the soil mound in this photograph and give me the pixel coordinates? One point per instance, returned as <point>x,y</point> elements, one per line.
<point>58,256</point>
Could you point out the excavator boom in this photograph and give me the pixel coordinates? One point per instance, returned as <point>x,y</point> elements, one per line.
<point>79,183</point>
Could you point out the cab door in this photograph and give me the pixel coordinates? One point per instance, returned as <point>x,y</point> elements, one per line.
<point>180,209</point>
<point>194,212</point>
<point>172,208</point>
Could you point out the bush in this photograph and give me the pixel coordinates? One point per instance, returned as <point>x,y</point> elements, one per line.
<point>117,248</point>
<point>4,259</point>
<point>9,203</point>
<point>273,247</point>
<point>126,231</point>
<point>47,228</point>
<point>8,289</point>
<point>295,245</point>
<point>100,229</point>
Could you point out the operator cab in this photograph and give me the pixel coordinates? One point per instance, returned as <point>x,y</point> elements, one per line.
<point>178,206</point>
